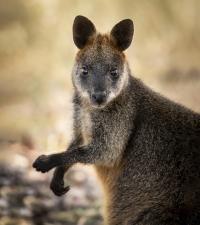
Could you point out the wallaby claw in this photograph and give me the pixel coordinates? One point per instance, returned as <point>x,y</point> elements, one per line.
<point>58,188</point>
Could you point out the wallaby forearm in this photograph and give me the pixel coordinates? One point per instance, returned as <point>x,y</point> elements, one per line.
<point>61,170</point>
<point>84,154</point>
<point>91,154</point>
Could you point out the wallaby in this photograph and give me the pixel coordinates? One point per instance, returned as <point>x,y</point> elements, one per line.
<point>145,148</point>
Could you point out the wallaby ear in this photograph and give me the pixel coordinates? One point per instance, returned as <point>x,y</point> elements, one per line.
<point>83,29</point>
<point>122,34</point>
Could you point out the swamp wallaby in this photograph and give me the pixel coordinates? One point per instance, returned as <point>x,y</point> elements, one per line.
<point>145,148</point>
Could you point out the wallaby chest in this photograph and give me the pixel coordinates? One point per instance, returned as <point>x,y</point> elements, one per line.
<point>86,126</point>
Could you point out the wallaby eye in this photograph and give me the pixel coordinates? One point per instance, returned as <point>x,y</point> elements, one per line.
<point>84,71</point>
<point>114,73</point>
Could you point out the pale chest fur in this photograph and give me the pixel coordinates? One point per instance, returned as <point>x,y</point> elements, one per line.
<point>86,126</point>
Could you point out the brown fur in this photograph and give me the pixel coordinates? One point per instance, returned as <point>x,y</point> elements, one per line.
<point>99,41</point>
<point>108,177</point>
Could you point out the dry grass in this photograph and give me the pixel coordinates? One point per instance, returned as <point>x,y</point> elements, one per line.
<point>37,52</point>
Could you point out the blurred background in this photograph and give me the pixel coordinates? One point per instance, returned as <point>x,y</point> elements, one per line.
<point>36,58</point>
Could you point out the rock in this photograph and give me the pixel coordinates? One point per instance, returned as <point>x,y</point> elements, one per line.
<point>78,177</point>
<point>27,201</point>
<point>20,212</point>
<point>3,203</point>
<point>76,197</point>
<point>14,221</point>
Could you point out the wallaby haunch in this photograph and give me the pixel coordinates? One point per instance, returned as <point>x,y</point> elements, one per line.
<point>145,148</point>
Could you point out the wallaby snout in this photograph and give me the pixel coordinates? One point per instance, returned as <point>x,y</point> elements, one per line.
<point>98,97</point>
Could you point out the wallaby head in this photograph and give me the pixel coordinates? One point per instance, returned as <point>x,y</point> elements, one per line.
<point>100,72</point>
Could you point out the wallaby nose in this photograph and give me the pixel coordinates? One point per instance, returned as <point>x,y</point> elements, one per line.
<point>99,97</point>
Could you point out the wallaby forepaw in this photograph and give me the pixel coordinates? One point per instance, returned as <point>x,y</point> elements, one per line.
<point>42,164</point>
<point>58,188</point>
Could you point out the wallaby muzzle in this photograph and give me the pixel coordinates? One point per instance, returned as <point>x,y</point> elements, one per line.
<point>98,98</point>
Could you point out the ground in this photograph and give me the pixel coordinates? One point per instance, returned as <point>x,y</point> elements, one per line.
<point>27,200</point>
